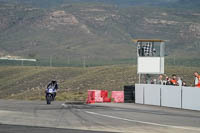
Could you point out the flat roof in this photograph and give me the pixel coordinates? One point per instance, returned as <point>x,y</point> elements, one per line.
<point>148,40</point>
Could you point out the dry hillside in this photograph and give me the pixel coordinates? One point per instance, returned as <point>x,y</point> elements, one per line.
<point>30,82</point>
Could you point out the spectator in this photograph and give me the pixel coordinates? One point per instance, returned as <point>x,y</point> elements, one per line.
<point>165,81</point>
<point>184,83</point>
<point>140,49</point>
<point>148,78</point>
<point>154,81</point>
<point>180,82</point>
<point>160,80</point>
<point>197,79</point>
<point>174,80</point>
<point>168,82</point>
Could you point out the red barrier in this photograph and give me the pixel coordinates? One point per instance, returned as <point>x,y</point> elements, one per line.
<point>91,96</point>
<point>98,97</point>
<point>118,96</point>
<point>107,100</point>
<point>104,93</point>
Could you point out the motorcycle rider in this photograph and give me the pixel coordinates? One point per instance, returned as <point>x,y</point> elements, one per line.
<point>53,84</point>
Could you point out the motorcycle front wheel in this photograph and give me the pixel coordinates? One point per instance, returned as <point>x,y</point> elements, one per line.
<point>48,99</point>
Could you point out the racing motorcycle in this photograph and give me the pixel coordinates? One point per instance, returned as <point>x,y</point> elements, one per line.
<point>50,94</point>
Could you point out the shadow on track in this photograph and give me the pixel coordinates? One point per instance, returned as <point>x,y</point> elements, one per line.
<point>21,129</point>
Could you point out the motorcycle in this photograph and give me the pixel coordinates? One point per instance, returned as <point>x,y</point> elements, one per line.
<point>50,95</point>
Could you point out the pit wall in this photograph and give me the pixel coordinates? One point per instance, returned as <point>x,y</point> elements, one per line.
<point>168,96</point>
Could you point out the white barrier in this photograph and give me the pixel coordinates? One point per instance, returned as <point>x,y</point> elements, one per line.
<point>139,93</point>
<point>171,96</point>
<point>191,98</point>
<point>152,95</point>
<point>168,96</point>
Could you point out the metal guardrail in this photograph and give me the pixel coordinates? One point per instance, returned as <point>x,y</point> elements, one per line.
<point>16,59</point>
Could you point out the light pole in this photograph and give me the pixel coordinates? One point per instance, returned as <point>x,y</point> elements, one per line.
<point>50,61</point>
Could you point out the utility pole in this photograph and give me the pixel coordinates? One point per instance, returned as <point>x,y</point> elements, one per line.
<point>139,78</point>
<point>84,62</point>
<point>50,61</point>
<point>174,60</point>
<point>68,60</point>
<point>22,63</point>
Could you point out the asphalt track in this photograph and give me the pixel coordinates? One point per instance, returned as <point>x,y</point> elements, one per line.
<point>60,117</point>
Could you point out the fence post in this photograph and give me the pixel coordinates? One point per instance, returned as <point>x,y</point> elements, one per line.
<point>160,96</point>
<point>181,97</point>
<point>50,61</point>
<point>143,95</point>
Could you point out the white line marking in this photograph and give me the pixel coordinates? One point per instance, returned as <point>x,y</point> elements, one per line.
<point>143,122</point>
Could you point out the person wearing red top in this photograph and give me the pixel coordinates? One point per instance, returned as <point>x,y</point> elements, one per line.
<point>197,79</point>
<point>174,80</point>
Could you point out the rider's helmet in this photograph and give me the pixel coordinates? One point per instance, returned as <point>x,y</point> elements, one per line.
<point>54,82</point>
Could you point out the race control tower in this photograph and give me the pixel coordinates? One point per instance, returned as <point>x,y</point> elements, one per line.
<point>150,56</point>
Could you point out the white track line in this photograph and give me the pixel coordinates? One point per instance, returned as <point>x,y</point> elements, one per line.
<point>143,122</point>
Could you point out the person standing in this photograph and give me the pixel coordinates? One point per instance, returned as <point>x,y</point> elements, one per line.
<point>174,80</point>
<point>180,82</point>
<point>184,83</point>
<point>197,79</point>
<point>160,80</point>
<point>167,81</point>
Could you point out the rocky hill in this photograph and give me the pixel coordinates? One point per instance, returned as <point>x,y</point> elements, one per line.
<point>98,31</point>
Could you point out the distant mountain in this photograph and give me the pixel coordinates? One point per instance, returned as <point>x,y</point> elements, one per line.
<point>93,30</point>
<point>188,4</point>
<point>54,3</point>
<point>189,1</point>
